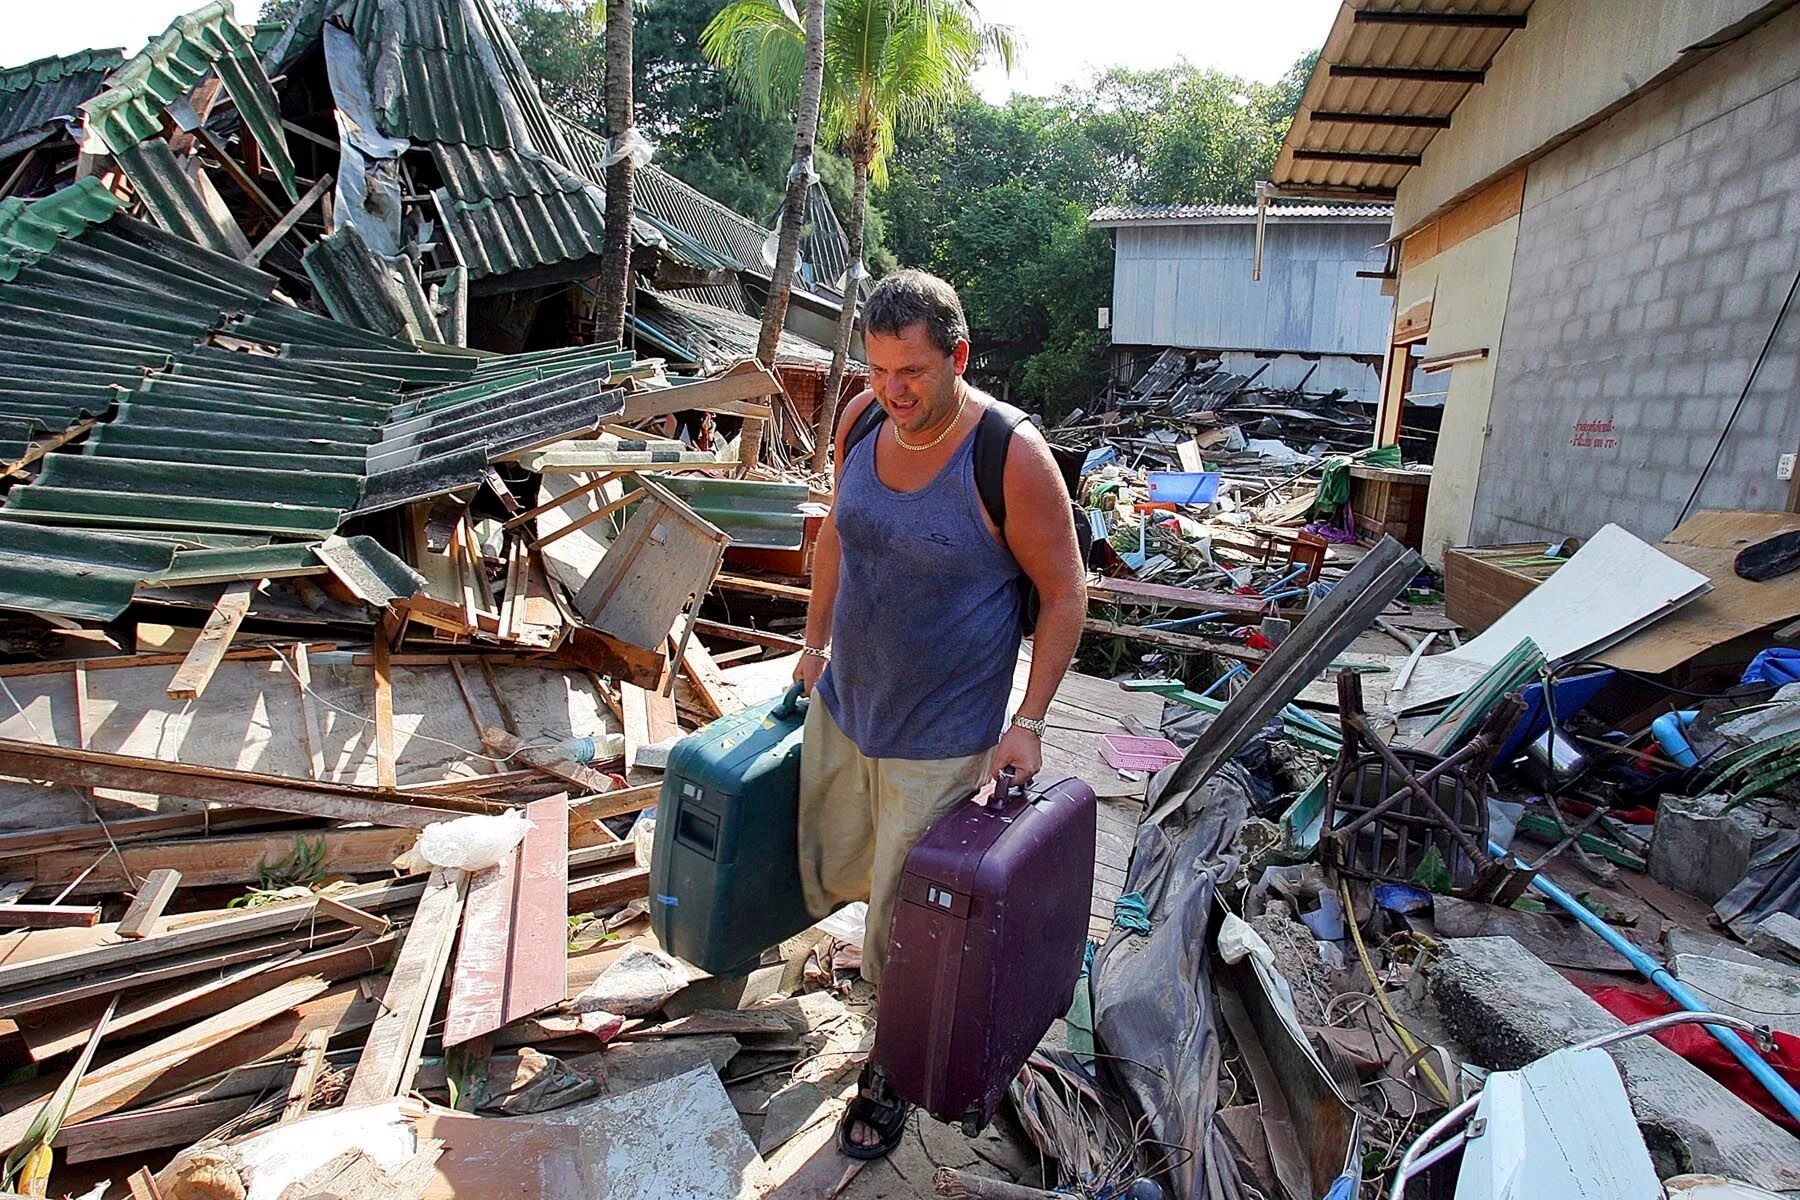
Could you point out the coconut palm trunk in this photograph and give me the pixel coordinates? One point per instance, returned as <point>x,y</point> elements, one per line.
<point>840,346</point>
<point>615,257</point>
<point>793,209</point>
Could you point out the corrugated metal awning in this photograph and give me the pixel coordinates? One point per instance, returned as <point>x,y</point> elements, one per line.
<point>1388,79</point>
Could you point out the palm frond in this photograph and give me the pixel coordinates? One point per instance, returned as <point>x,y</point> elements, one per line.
<point>760,45</point>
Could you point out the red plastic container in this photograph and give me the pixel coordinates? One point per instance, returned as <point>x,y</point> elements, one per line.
<point>985,947</point>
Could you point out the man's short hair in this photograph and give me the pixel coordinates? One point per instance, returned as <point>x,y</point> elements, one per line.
<point>914,297</point>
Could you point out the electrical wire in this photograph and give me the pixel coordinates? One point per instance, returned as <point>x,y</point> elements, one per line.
<point>1387,1009</point>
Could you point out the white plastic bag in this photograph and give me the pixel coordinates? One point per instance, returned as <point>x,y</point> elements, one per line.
<point>472,843</point>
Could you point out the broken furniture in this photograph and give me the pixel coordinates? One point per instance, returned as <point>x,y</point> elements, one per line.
<point>1388,809</point>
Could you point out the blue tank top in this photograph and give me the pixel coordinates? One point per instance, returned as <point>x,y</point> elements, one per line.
<point>925,632</point>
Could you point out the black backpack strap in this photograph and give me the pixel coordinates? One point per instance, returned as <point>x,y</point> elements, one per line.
<point>993,438</point>
<point>866,422</point>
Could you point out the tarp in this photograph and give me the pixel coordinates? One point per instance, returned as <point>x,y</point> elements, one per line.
<point>1154,1016</point>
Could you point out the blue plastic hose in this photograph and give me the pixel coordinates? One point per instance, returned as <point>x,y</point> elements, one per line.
<point>1784,1093</point>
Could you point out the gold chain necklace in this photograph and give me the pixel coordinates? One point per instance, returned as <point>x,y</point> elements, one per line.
<point>932,444</point>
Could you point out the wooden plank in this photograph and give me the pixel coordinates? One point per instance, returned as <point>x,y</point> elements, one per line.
<point>545,761</point>
<point>280,229</point>
<point>1138,593</point>
<point>609,890</point>
<point>142,1185</point>
<point>334,801</point>
<point>48,916</point>
<point>728,392</point>
<point>614,804</point>
<point>214,861</point>
<point>215,638</point>
<point>511,960</point>
<point>15,891</point>
<point>384,706</point>
<point>390,1057</point>
<point>147,907</point>
<point>753,637</point>
<point>1185,642</point>
<point>588,518</point>
<point>575,493</point>
<point>763,587</point>
<point>144,1130</point>
<point>309,712</point>
<point>306,1079</point>
<point>368,922</point>
<point>115,1085</point>
<point>49,1032</point>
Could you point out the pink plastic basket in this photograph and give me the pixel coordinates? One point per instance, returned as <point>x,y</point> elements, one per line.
<point>1127,753</point>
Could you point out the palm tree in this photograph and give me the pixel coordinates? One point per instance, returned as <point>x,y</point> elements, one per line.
<point>890,66</point>
<point>615,250</point>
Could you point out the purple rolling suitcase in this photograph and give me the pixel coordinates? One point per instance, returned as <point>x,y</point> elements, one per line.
<point>985,947</point>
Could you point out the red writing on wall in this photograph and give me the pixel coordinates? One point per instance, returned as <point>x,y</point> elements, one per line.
<point>1595,435</point>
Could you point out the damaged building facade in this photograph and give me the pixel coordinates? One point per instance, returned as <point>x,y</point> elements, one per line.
<point>1596,209</point>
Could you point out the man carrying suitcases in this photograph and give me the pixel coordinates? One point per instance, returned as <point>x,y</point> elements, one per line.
<point>949,512</point>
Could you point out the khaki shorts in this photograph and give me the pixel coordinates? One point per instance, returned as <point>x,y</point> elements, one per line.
<point>859,817</point>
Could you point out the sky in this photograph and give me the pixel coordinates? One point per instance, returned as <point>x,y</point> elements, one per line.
<point>1065,41</point>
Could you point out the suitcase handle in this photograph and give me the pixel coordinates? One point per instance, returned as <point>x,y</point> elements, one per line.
<point>1006,790</point>
<point>790,701</point>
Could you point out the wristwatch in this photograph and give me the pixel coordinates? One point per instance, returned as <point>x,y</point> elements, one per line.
<point>1026,723</point>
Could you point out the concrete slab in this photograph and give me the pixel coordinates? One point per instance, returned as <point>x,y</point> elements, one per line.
<point>1738,989</point>
<point>1507,1008</point>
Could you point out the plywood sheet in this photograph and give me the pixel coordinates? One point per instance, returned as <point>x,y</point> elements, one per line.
<point>1709,543</point>
<point>1614,586</point>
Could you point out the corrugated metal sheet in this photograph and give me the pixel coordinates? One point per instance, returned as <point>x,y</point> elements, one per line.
<point>359,287</point>
<point>141,90</point>
<point>49,90</point>
<point>236,454</point>
<point>712,337</point>
<point>441,89</point>
<point>510,210</point>
<point>1190,285</point>
<point>698,215</point>
<point>174,201</point>
<point>1129,214</point>
<point>30,231</point>
<point>1388,78</point>
<point>757,515</point>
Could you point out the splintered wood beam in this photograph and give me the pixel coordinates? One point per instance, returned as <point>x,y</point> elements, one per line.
<point>368,922</point>
<point>306,1079</point>
<point>740,633</point>
<point>209,651</point>
<point>614,803</point>
<point>390,1057</point>
<point>384,707</point>
<point>545,761</point>
<point>150,902</point>
<point>292,218</point>
<point>119,1082</point>
<point>1185,642</point>
<point>241,789</point>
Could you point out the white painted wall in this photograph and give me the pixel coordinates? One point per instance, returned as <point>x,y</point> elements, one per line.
<point>1573,61</point>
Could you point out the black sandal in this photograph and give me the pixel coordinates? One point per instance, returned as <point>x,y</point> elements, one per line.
<point>878,1108</point>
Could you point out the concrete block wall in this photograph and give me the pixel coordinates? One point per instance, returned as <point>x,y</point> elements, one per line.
<point>1654,252</point>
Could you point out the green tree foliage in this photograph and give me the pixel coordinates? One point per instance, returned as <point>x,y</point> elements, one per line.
<point>996,199</point>
<point>993,197</point>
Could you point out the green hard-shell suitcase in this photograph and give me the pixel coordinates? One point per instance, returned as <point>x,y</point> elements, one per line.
<point>724,864</point>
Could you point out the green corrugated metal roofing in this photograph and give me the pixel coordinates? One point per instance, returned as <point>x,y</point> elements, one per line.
<point>74,572</point>
<point>441,90</point>
<point>131,108</point>
<point>31,229</point>
<point>756,514</point>
<point>361,288</point>
<point>40,93</point>
<point>172,198</point>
